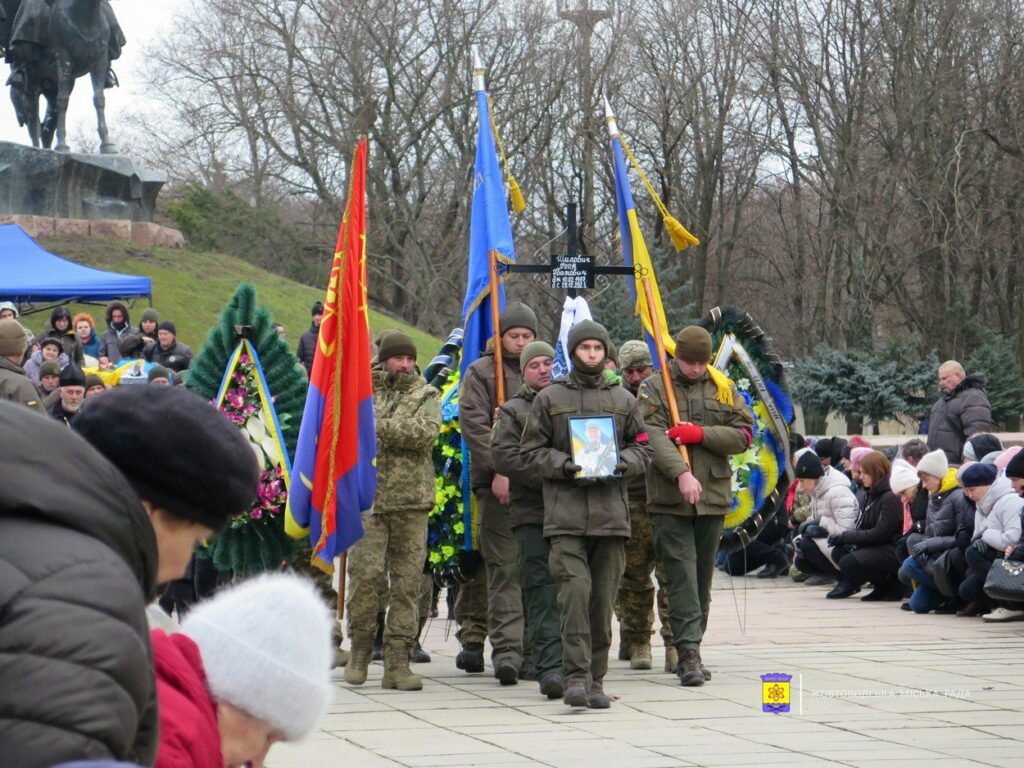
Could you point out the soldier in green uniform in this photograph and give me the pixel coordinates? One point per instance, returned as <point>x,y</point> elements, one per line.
<point>526,518</point>
<point>633,606</point>
<point>688,501</point>
<point>407,415</point>
<point>586,521</point>
<point>14,384</point>
<point>504,601</point>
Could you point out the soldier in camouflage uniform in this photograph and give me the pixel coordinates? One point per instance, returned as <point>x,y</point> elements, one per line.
<point>504,601</point>
<point>407,415</point>
<point>526,518</point>
<point>633,606</point>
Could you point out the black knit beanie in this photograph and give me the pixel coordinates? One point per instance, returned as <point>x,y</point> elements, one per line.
<point>167,325</point>
<point>808,466</point>
<point>195,463</point>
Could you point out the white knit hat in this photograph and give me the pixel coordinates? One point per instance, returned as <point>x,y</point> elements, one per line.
<point>903,476</point>
<point>934,464</point>
<point>266,648</point>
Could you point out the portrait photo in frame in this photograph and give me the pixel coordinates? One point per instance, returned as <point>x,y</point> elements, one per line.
<point>594,445</point>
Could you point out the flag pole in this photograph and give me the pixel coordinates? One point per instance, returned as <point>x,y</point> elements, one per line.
<point>499,353</point>
<point>666,375</point>
<point>342,568</point>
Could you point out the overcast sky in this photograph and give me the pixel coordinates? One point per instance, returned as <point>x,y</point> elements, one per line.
<point>142,22</point>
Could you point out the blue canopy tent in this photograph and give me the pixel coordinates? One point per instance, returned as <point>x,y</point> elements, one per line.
<point>29,275</point>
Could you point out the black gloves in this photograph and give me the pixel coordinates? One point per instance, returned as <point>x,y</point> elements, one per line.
<point>835,539</point>
<point>919,549</point>
<point>569,469</point>
<point>815,531</point>
<point>980,546</point>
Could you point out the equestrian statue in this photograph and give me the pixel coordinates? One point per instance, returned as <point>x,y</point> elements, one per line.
<point>49,44</point>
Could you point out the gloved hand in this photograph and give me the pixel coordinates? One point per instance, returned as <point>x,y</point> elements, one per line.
<point>617,474</point>
<point>686,433</point>
<point>815,531</point>
<point>802,528</point>
<point>919,549</point>
<point>980,546</point>
<point>835,539</point>
<point>569,469</point>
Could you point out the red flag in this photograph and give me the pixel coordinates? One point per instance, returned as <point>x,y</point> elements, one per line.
<point>335,459</point>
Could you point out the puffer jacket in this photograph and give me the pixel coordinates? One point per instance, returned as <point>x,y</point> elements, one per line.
<point>881,522</point>
<point>78,563</point>
<point>957,415</point>
<point>833,506</point>
<point>944,510</point>
<point>997,518</point>
<point>407,417</point>
<point>572,508</point>
<point>111,337</point>
<point>477,401</point>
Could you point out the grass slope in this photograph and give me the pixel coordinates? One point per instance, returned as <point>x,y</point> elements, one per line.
<point>192,287</point>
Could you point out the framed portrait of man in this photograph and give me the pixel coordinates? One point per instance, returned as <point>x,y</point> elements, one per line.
<point>594,445</point>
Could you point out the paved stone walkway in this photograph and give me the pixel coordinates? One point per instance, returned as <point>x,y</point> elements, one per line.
<point>872,686</point>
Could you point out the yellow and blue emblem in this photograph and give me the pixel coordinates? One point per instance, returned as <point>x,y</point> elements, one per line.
<point>775,692</point>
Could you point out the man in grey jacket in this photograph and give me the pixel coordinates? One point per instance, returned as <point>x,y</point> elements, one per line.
<point>962,410</point>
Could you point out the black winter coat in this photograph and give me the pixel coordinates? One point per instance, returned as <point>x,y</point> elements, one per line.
<point>963,412</point>
<point>307,347</point>
<point>882,520</point>
<point>78,565</point>
<point>177,358</point>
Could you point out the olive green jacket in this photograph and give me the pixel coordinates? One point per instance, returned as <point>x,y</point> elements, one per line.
<point>526,501</point>
<point>407,416</point>
<point>477,401</point>
<point>570,508</point>
<point>727,431</point>
<point>16,386</point>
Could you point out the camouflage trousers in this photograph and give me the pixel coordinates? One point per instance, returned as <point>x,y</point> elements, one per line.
<point>634,605</point>
<point>389,560</point>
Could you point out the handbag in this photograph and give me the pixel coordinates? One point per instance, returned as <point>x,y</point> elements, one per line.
<point>1005,580</point>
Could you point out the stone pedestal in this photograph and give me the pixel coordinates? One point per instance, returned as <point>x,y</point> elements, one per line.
<point>40,182</point>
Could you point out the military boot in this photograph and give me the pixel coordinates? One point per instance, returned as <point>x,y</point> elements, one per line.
<point>341,657</point>
<point>576,692</point>
<point>598,699</point>
<point>419,656</point>
<point>640,658</point>
<point>396,668</point>
<point>359,662</point>
<point>671,658</point>
<point>471,657</point>
<point>378,639</point>
<point>689,668</point>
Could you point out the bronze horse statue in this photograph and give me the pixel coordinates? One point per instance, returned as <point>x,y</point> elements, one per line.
<point>50,44</point>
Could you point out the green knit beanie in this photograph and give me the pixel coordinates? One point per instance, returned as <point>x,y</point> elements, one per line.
<point>394,343</point>
<point>587,329</point>
<point>693,344</point>
<point>535,349</point>
<point>518,315</point>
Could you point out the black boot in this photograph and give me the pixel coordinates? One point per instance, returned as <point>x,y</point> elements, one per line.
<point>842,590</point>
<point>471,657</point>
<point>378,640</point>
<point>433,601</point>
<point>777,566</point>
<point>417,655</point>
<point>528,670</point>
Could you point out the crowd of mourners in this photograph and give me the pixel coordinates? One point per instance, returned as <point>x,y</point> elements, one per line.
<point>922,523</point>
<point>586,485</point>
<point>68,360</point>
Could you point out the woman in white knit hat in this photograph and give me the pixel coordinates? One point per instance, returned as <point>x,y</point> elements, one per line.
<point>250,667</point>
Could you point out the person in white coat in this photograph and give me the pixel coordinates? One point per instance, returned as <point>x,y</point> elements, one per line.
<point>997,528</point>
<point>833,510</point>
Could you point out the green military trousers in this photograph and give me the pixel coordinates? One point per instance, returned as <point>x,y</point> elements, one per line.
<point>688,545</point>
<point>634,605</point>
<point>540,596</point>
<point>587,570</point>
<point>504,598</point>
